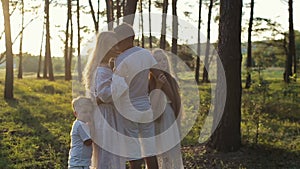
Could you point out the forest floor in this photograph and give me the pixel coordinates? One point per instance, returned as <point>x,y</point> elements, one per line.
<point>34,130</point>
<point>252,157</point>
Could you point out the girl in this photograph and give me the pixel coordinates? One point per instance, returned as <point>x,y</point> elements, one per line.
<point>167,124</point>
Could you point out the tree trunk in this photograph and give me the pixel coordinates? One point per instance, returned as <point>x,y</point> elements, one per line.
<point>70,51</point>
<point>118,12</point>
<point>9,74</point>
<point>78,42</point>
<point>129,12</point>
<point>174,27</point>
<point>45,71</point>
<point>164,25</point>
<point>98,14</point>
<point>109,14</point>
<point>20,70</point>
<point>227,136</point>
<point>292,48</point>
<point>41,50</point>
<point>150,29</point>
<point>123,7</point>
<point>96,22</point>
<point>142,23</point>
<point>249,50</point>
<point>67,40</point>
<point>207,50</point>
<point>48,49</point>
<point>197,69</point>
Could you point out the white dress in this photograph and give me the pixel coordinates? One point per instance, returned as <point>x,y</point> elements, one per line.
<point>167,127</point>
<point>103,118</point>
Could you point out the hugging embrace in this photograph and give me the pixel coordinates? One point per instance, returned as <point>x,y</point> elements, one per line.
<point>137,106</point>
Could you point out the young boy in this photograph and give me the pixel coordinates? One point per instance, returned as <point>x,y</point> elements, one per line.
<point>81,144</point>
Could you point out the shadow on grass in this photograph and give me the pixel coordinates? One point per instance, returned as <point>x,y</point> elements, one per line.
<point>258,157</point>
<point>37,147</point>
<point>4,161</point>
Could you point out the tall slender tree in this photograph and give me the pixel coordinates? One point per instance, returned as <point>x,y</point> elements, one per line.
<point>70,51</point>
<point>95,19</point>
<point>150,29</point>
<point>67,48</point>
<point>109,13</point>
<point>142,23</point>
<point>288,72</point>
<point>164,24</point>
<point>20,70</point>
<point>207,50</point>
<point>129,12</point>
<point>9,74</point>
<point>118,11</point>
<point>123,7</point>
<point>292,47</point>
<point>227,134</point>
<point>41,50</point>
<point>197,69</point>
<point>78,43</point>
<point>174,27</point>
<point>48,59</point>
<point>249,49</point>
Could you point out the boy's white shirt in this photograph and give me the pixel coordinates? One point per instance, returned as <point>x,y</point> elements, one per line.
<point>85,127</point>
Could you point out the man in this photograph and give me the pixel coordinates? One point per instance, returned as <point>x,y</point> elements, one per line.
<point>134,64</point>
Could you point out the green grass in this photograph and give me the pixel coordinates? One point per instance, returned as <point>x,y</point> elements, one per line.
<point>34,130</point>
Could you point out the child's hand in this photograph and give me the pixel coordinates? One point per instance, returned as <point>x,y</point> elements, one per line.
<point>88,142</point>
<point>111,63</point>
<point>160,80</point>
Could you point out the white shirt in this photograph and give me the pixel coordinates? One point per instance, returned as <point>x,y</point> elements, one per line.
<point>80,154</point>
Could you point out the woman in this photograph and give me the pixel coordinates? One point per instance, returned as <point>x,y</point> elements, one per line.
<point>98,77</point>
<point>168,123</point>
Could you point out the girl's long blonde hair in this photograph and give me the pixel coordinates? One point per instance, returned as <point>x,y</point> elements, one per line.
<point>105,41</point>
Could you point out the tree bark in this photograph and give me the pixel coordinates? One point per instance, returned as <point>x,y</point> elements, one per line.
<point>227,136</point>
<point>142,23</point>
<point>174,27</point>
<point>150,29</point>
<point>292,48</point>
<point>197,69</point>
<point>96,22</point>
<point>48,48</point>
<point>109,14</point>
<point>41,50</point>
<point>20,70</point>
<point>207,50</point>
<point>164,25</point>
<point>123,7</point>
<point>249,50</point>
<point>9,74</point>
<point>118,12</point>
<point>67,41</point>
<point>129,12</point>
<point>78,43</point>
<point>70,51</point>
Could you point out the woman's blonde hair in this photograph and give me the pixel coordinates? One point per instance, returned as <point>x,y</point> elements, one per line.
<point>105,41</point>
